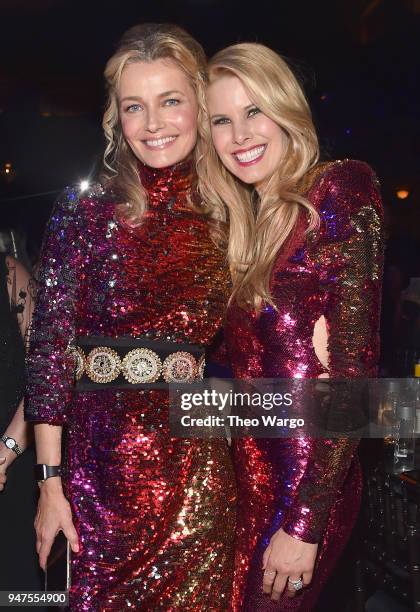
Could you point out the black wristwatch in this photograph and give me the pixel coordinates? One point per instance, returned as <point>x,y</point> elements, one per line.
<point>42,471</point>
<point>12,444</point>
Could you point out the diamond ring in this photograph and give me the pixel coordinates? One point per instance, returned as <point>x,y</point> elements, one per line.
<point>296,584</point>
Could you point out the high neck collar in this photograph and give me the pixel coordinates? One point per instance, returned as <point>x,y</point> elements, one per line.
<point>168,182</point>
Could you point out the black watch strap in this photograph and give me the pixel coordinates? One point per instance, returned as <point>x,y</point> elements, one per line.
<point>42,471</point>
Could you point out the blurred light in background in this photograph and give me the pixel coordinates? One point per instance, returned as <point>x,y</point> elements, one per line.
<point>402,194</point>
<point>7,173</point>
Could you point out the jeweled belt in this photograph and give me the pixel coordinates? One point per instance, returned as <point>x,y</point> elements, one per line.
<point>129,363</point>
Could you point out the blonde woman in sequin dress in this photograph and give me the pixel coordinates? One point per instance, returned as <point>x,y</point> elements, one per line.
<point>132,288</point>
<point>305,251</point>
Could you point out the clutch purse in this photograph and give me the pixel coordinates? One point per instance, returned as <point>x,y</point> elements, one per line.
<point>58,572</point>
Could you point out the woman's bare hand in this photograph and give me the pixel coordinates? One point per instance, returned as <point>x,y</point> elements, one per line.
<point>3,476</point>
<point>7,457</point>
<point>287,559</point>
<point>53,515</point>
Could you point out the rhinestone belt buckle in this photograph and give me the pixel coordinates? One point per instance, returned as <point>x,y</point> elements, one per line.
<point>79,359</point>
<point>103,364</point>
<point>139,366</point>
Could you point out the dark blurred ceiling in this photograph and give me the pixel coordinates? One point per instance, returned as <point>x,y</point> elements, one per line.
<point>53,47</point>
<point>45,42</point>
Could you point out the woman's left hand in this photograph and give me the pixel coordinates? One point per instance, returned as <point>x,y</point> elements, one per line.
<point>3,476</point>
<point>287,560</point>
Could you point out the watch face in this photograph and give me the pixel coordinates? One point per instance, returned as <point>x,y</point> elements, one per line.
<point>10,443</point>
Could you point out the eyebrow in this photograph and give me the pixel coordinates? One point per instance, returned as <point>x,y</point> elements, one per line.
<point>169,93</point>
<point>161,95</point>
<point>246,108</point>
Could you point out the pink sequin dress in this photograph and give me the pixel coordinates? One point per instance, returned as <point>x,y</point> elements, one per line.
<point>147,507</point>
<point>309,487</point>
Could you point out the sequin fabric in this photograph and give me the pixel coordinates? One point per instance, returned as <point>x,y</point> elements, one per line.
<point>148,508</point>
<point>311,488</point>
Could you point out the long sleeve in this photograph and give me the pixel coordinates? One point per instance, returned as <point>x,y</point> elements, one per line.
<point>217,358</point>
<point>349,255</point>
<point>50,370</point>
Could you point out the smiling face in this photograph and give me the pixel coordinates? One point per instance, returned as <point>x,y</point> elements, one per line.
<point>249,144</point>
<point>158,112</point>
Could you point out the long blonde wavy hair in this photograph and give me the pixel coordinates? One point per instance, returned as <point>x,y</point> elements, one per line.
<point>146,43</point>
<point>258,230</point>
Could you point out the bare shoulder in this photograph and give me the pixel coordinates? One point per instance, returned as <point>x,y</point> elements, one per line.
<point>16,268</point>
<point>19,279</point>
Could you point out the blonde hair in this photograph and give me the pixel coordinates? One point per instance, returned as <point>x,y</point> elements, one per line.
<point>147,43</point>
<point>258,232</point>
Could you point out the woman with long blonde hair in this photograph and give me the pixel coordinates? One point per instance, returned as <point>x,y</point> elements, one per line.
<point>305,251</point>
<point>133,287</point>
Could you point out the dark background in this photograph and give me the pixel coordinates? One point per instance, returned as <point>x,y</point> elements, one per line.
<point>358,60</point>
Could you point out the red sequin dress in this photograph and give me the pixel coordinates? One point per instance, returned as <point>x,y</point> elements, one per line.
<point>147,507</point>
<point>309,487</point>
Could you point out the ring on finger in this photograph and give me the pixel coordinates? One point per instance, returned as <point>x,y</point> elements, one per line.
<point>268,573</point>
<point>296,584</point>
